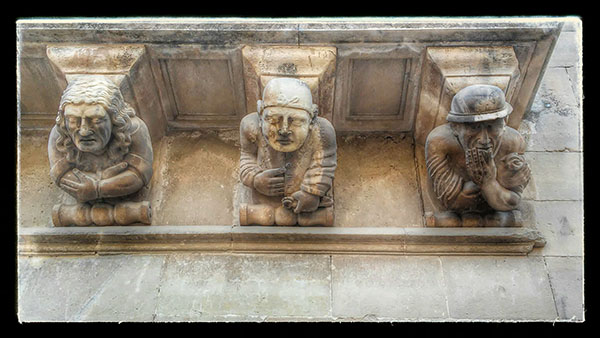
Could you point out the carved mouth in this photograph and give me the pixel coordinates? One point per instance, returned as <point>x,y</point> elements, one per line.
<point>284,141</point>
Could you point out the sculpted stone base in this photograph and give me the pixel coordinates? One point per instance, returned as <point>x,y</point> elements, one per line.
<point>263,214</point>
<point>497,219</point>
<point>101,214</point>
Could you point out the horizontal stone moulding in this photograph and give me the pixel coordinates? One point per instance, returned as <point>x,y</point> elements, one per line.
<point>256,239</point>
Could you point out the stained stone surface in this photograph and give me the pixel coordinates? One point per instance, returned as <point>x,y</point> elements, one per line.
<point>196,180</point>
<point>566,277</point>
<point>558,176</point>
<point>380,191</point>
<point>560,223</point>
<point>507,288</point>
<point>546,285</point>
<point>36,193</point>
<point>204,287</point>
<point>405,287</point>
<point>104,288</point>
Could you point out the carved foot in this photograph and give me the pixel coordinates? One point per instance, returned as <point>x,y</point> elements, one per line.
<point>262,214</point>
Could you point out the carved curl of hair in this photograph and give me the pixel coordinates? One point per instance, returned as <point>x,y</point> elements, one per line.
<point>102,91</point>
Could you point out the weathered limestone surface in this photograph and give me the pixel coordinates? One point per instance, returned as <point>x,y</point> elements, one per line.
<point>202,287</point>
<point>508,288</point>
<point>546,285</point>
<point>197,172</point>
<point>105,288</point>
<point>566,278</point>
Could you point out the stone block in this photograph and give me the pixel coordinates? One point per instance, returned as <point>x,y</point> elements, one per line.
<point>198,172</point>
<point>381,191</point>
<point>202,287</point>
<point>105,288</point>
<point>558,175</point>
<point>566,277</point>
<point>497,288</point>
<point>554,122</point>
<point>36,193</point>
<point>567,52</point>
<point>383,288</point>
<point>561,225</point>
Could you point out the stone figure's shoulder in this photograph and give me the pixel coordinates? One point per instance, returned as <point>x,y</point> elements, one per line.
<point>325,128</point>
<point>250,126</point>
<point>53,152</point>
<point>441,139</point>
<point>513,141</point>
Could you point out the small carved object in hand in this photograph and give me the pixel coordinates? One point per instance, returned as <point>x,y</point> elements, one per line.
<point>100,153</point>
<point>475,162</point>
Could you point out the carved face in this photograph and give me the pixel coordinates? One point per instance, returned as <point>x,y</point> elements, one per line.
<point>483,135</point>
<point>88,125</point>
<point>285,128</point>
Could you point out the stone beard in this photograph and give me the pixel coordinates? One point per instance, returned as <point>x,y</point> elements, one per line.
<point>101,154</point>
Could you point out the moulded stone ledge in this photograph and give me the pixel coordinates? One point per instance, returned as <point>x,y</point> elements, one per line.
<point>256,239</point>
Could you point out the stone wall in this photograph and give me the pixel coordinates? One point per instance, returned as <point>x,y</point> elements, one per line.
<point>183,283</point>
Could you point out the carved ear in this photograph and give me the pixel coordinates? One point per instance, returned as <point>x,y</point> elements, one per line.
<point>315,111</point>
<point>259,107</point>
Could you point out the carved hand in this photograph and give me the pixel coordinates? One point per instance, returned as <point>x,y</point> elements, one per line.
<point>305,202</point>
<point>480,165</point>
<point>470,188</point>
<point>84,190</point>
<point>270,182</point>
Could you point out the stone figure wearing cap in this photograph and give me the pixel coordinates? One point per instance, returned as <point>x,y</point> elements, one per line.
<point>288,159</point>
<point>100,153</point>
<point>475,161</point>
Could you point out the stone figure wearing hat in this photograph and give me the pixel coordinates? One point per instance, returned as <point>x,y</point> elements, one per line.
<point>100,153</point>
<point>475,161</point>
<point>288,159</point>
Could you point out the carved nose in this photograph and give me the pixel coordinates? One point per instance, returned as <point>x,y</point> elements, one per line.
<point>484,139</point>
<point>84,130</point>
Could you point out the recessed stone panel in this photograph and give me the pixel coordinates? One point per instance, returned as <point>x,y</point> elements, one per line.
<point>201,87</point>
<point>376,87</point>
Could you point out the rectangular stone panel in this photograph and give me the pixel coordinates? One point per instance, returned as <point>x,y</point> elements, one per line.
<point>498,288</point>
<point>201,87</point>
<point>207,287</point>
<point>384,287</point>
<point>378,88</point>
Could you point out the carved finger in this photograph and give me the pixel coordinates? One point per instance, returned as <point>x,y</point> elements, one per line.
<point>70,184</point>
<point>277,192</point>
<point>114,170</point>
<point>69,189</point>
<point>276,180</point>
<point>277,186</point>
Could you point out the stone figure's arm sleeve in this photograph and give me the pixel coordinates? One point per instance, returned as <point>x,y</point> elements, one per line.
<point>141,156</point>
<point>139,167</point>
<point>447,185</point>
<point>318,179</point>
<point>59,165</point>
<point>504,192</point>
<point>249,133</point>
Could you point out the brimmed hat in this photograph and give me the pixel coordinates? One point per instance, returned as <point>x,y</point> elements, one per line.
<point>478,103</point>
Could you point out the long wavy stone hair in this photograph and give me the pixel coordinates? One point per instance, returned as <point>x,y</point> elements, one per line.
<point>102,91</point>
